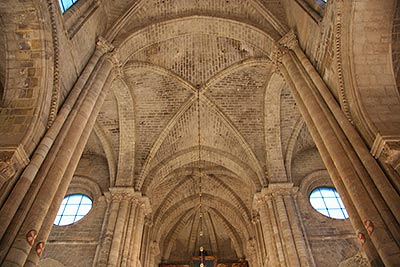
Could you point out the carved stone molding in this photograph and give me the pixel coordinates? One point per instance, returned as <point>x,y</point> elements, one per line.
<point>12,159</point>
<point>56,66</point>
<point>339,64</point>
<point>388,149</point>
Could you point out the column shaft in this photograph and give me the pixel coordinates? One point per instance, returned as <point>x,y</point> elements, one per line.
<point>78,120</point>
<point>353,215</point>
<point>286,231</point>
<point>322,119</point>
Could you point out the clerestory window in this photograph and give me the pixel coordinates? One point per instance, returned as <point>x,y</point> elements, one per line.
<point>73,208</point>
<point>66,4</point>
<point>326,200</point>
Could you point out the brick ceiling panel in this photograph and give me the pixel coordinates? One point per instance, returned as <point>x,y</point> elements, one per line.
<point>191,172</point>
<point>197,57</point>
<point>147,12</point>
<point>108,120</point>
<point>156,99</point>
<point>240,96</point>
<point>93,146</point>
<point>214,133</point>
<point>289,115</point>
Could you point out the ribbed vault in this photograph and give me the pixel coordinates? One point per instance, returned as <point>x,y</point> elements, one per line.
<point>198,104</point>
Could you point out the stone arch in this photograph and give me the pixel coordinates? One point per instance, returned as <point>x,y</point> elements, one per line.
<point>236,226</point>
<point>159,172</point>
<point>193,25</point>
<point>371,85</point>
<point>221,188</point>
<point>253,162</point>
<point>272,128</point>
<point>27,86</point>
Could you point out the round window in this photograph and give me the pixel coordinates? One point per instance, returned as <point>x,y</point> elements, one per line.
<point>72,209</point>
<point>326,200</point>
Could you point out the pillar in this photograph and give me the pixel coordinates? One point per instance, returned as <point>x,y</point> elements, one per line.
<point>121,242</point>
<point>353,170</point>
<point>283,237</point>
<point>24,216</point>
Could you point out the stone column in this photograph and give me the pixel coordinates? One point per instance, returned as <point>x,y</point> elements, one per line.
<point>283,236</point>
<point>258,249</point>
<point>49,145</point>
<point>270,236</point>
<point>353,215</point>
<point>43,178</point>
<point>145,250</point>
<point>142,210</point>
<point>121,242</point>
<point>374,198</point>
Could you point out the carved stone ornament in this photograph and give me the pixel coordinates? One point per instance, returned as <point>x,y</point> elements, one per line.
<point>361,238</point>
<point>40,248</point>
<point>122,193</point>
<point>104,45</point>
<point>11,160</point>
<point>388,149</point>
<point>31,237</point>
<point>369,226</point>
<point>289,40</point>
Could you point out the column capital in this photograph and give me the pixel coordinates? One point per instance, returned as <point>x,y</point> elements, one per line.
<point>104,45</point>
<point>144,203</point>
<point>11,160</point>
<point>255,218</point>
<point>289,40</point>
<point>387,148</point>
<point>122,193</point>
<point>275,189</point>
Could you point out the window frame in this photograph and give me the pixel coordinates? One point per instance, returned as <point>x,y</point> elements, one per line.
<point>327,210</point>
<point>62,6</point>
<point>57,221</point>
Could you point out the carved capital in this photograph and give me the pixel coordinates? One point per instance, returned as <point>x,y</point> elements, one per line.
<point>148,221</point>
<point>255,218</point>
<point>280,189</point>
<point>104,45</point>
<point>154,249</point>
<point>258,201</point>
<point>122,193</point>
<point>388,149</point>
<point>144,203</point>
<point>12,159</point>
<point>289,40</point>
